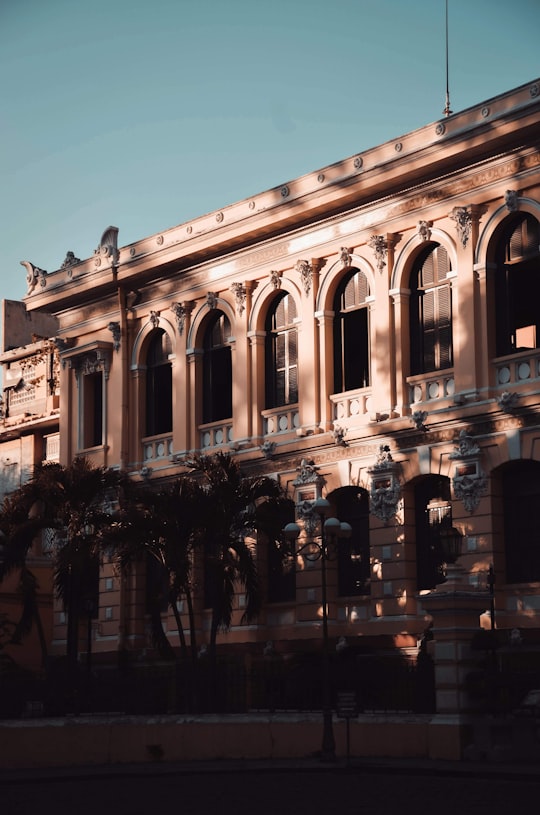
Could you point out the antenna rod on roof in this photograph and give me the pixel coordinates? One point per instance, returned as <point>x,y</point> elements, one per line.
<point>447,110</point>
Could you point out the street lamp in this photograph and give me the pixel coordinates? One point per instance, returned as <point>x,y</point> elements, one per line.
<point>331,530</point>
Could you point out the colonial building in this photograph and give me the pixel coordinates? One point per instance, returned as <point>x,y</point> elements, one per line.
<point>370,333</point>
<point>29,434</point>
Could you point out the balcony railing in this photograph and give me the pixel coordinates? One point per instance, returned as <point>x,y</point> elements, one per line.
<point>51,447</point>
<point>351,406</point>
<point>518,368</point>
<point>283,419</point>
<point>157,447</point>
<point>431,387</point>
<point>216,434</point>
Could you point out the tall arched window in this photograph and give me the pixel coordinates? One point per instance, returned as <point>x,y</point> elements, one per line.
<point>158,384</point>
<point>517,286</point>
<point>521,497</point>
<point>281,353</point>
<point>351,333</point>
<point>353,557</point>
<point>217,370</point>
<point>431,312</point>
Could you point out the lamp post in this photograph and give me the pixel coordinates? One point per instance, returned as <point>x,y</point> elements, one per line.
<point>331,529</point>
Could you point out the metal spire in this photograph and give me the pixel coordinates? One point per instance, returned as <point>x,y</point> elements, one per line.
<point>447,110</point>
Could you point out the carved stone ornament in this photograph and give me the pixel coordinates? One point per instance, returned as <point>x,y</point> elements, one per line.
<point>33,275</point>
<point>211,300</point>
<point>418,418</point>
<point>181,311</point>
<point>69,261</point>
<point>303,267</point>
<point>463,218</point>
<point>154,318</point>
<point>239,291</point>
<point>469,482</point>
<point>511,200</point>
<point>114,328</point>
<point>308,486</point>
<point>339,434</point>
<point>345,256</point>
<point>267,448</point>
<point>424,230</point>
<point>385,489</point>
<point>275,279</point>
<point>507,401</point>
<point>108,245</point>
<point>91,363</point>
<point>379,245</point>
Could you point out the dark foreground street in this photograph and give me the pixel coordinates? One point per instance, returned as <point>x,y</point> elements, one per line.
<point>251,789</point>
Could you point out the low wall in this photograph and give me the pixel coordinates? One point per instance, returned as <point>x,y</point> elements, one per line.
<point>111,740</point>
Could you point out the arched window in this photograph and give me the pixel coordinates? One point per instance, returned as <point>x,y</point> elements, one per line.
<point>281,563</point>
<point>433,512</point>
<point>431,312</point>
<point>217,370</point>
<point>351,333</point>
<point>158,384</point>
<point>521,498</point>
<point>517,286</point>
<point>281,353</point>
<point>353,558</point>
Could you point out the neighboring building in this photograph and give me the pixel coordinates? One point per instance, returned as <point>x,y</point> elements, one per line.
<point>29,434</point>
<point>370,332</point>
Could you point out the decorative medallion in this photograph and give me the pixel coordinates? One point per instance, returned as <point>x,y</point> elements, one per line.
<point>358,162</point>
<point>219,217</point>
<point>284,191</point>
<point>440,129</point>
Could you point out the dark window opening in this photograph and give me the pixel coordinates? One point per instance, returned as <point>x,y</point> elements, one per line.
<point>282,564</point>
<point>217,371</point>
<point>521,497</point>
<point>431,312</point>
<point>93,409</point>
<point>158,385</point>
<point>351,334</point>
<point>353,557</point>
<point>281,353</point>
<point>433,511</point>
<point>517,287</point>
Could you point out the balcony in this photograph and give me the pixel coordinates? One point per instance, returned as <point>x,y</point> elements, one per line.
<point>157,447</point>
<point>432,387</point>
<point>216,434</point>
<point>517,369</point>
<point>352,407</point>
<point>283,419</point>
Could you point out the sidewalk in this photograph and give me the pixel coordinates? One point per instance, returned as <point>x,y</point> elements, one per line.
<point>470,769</point>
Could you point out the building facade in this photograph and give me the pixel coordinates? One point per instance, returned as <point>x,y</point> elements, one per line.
<point>369,333</point>
<point>29,435</point>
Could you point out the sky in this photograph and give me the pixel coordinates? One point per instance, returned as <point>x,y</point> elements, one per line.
<point>144,115</point>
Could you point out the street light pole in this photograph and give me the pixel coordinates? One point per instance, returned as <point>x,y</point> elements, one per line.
<point>331,529</point>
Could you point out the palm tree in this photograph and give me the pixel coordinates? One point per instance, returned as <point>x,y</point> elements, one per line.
<point>72,501</point>
<point>235,510</point>
<point>160,528</point>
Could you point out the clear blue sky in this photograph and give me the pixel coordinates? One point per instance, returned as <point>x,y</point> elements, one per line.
<point>144,115</point>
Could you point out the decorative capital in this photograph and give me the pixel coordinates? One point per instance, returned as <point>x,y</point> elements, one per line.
<point>463,218</point>
<point>303,267</point>
<point>239,291</point>
<point>379,245</point>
